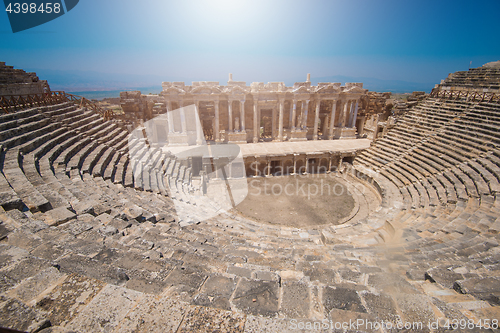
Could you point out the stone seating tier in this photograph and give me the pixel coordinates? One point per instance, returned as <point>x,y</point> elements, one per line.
<point>484,77</point>
<point>437,225</point>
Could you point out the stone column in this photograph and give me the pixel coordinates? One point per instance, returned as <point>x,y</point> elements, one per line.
<point>280,121</point>
<point>294,164</point>
<point>199,127</point>
<point>256,167</point>
<point>316,120</point>
<point>256,126</point>
<point>340,113</point>
<point>170,117</point>
<point>307,166</point>
<point>343,120</point>
<point>242,115</point>
<point>230,114</point>
<point>360,128</point>
<point>355,116</point>
<point>305,112</point>
<point>332,120</point>
<point>216,122</point>
<point>183,120</point>
<point>300,115</point>
<point>273,124</point>
<point>330,163</point>
<point>294,113</point>
<point>325,125</point>
<point>351,114</point>
<point>268,167</point>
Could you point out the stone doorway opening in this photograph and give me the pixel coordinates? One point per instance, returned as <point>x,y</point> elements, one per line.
<point>208,129</point>
<point>276,169</point>
<point>266,125</point>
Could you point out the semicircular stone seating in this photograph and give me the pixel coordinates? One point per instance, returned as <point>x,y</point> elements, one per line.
<point>90,238</point>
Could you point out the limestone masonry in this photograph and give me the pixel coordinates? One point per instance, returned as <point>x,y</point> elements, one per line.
<point>130,223</point>
<point>293,113</point>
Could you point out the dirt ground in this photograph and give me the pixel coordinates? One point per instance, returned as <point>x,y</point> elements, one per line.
<point>297,201</point>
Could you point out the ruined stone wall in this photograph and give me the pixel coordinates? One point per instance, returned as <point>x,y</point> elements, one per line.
<point>134,105</point>
<point>17,82</point>
<point>376,103</point>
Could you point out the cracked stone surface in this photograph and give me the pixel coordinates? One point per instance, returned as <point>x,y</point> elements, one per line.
<point>112,255</point>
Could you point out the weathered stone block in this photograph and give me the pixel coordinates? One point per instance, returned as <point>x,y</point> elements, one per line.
<point>18,316</point>
<point>106,310</point>
<point>257,297</point>
<point>295,301</point>
<point>205,320</point>
<point>58,216</point>
<point>343,299</point>
<point>30,288</point>
<point>68,299</point>
<point>154,314</point>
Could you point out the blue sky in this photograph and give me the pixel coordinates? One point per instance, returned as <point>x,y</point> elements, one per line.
<point>272,40</point>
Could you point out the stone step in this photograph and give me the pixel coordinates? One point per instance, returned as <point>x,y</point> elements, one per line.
<point>76,161</point>
<point>58,109</point>
<point>103,162</point>
<point>457,184</point>
<point>120,168</point>
<point>87,123</point>
<point>440,190</point>
<point>12,124</point>
<point>90,160</point>
<point>470,187</point>
<point>63,154</point>
<point>70,114</point>
<point>33,176</point>
<point>52,181</point>
<point>18,115</point>
<point>8,197</point>
<point>13,136</point>
<point>21,185</point>
<point>490,178</point>
<point>41,129</point>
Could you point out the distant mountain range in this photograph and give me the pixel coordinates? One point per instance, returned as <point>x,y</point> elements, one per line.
<point>77,80</point>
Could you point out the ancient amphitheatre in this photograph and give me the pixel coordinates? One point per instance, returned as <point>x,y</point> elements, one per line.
<point>103,230</point>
